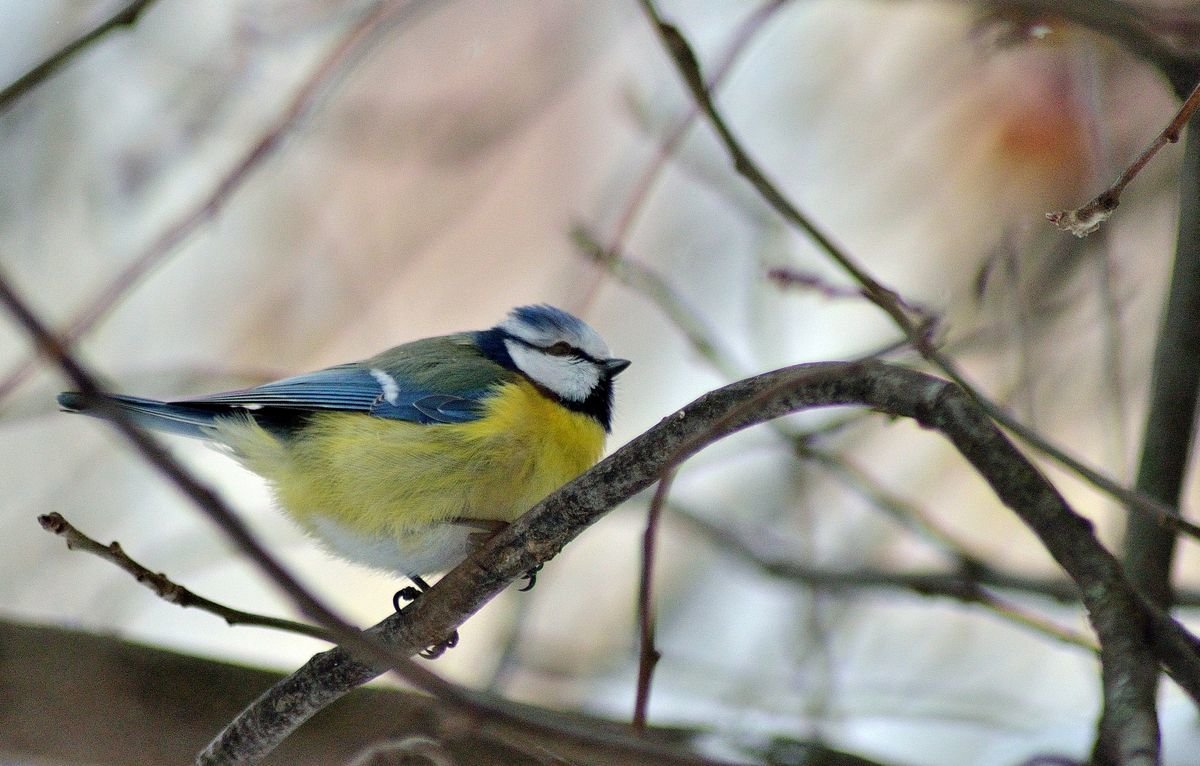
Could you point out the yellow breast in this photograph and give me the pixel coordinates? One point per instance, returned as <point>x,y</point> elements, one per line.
<point>378,477</point>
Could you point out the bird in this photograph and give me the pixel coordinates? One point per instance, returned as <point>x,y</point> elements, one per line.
<point>407,460</point>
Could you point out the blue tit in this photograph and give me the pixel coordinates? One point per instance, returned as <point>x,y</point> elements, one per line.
<point>408,459</point>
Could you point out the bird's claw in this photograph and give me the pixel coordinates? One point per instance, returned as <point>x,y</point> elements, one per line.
<point>531,578</point>
<point>406,594</point>
<point>437,650</point>
<point>409,594</point>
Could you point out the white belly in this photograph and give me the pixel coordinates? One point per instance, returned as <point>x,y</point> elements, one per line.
<point>435,549</point>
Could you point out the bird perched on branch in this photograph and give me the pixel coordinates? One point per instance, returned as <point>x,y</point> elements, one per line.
<point>405,460</point>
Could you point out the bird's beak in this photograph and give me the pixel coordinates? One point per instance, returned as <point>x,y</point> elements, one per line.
<point>615,366</point>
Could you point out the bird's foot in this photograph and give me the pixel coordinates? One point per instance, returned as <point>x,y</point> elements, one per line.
<point>410,594</point>
<point>531,578</point>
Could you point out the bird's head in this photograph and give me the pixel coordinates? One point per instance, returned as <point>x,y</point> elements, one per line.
<point>559,354</point>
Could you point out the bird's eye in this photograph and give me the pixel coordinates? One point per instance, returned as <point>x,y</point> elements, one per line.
<point>561,348</point>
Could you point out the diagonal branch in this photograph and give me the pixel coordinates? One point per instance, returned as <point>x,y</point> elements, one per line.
<point>1085,220</point>
<point>126,16</point>
<point>155,253</point>
<point>164,587</point>
<point>1131,632</point>
<point>914,323</point>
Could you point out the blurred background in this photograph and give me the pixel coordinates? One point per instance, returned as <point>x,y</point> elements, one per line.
<point>230,192</point>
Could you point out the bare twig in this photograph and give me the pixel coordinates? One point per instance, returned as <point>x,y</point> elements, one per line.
<point>914,321</point>
<point>635,203</point>
<point>968,586</point>
<point>360,34</point>
<point>1160,512</point>
<point>1083,221</point>
<point>164,587</point>
<point>125,16</point>
<point>648,654</point>
<point>785,277</point>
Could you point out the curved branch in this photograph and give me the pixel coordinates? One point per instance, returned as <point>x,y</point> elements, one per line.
<point>1131,632</point>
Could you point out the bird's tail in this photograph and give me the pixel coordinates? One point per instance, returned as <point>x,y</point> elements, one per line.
<point>183,419</point>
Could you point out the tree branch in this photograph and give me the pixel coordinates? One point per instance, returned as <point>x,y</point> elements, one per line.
<point>1124,623</point>
<point>360,34</point>
<point>739,40</point>
<point>164,587</point>
<point>1083,221</point>
<point>967,587</point>
<point>126,16</point>
<point>1174,388</point>
<point>916,324</point>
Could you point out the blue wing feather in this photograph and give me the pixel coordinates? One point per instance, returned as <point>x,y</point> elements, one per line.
<point>351,388</point>
<point>346,387</point>
<point>282,405</point>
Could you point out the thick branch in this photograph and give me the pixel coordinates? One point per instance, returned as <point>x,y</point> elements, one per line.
<point>1124,623</point>
<point>1174,386</point>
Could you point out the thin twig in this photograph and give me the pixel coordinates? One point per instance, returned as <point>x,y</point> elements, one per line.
<point>648,654</point>
<point>156,253</point>
<point>968,586</point>
<point>126,16</point>
<point>666,149</point>
<point>167,589</point>
<point>914,321</point>
<point>1084,220</point>
<point>1166,515</point>
<point>787,277</point>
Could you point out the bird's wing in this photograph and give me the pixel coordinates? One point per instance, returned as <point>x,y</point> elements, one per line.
<point>350,388</point>
<point>429,381</point>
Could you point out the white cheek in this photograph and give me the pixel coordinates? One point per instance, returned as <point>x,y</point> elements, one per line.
<point>569,379</point>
